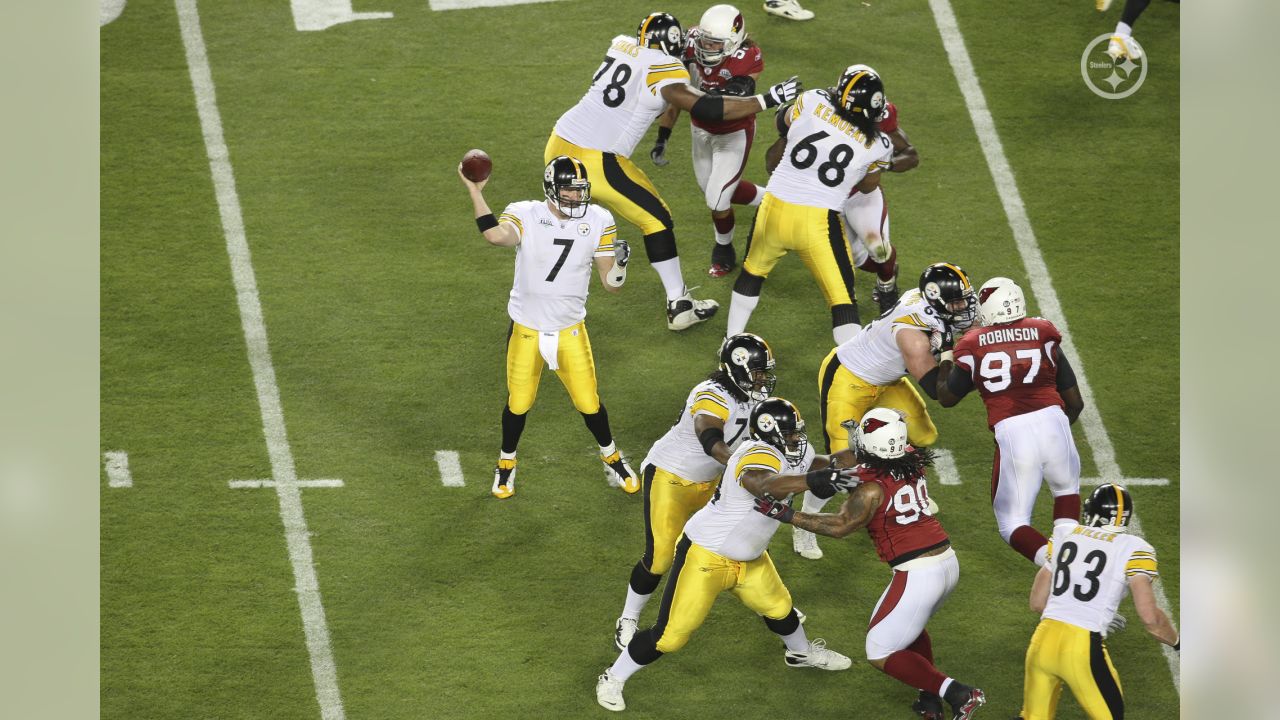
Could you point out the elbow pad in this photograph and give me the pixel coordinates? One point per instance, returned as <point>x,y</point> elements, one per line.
<point>709,438</point>
<point>929,384</point>
<point>708,108</point>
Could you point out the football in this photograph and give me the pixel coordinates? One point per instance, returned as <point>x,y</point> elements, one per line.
<point>476,165</point>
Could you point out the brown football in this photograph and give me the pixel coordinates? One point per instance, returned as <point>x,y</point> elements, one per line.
<point>476,165</point>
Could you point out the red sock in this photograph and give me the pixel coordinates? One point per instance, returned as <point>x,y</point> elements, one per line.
<point>870,266</point>
<point>923,646</point>
<point>724,224</point>
<point>908,667</point>
<point>1027,540</point>
<point>889,268</point>
<point>744,193</point>
<point>1067,506</point>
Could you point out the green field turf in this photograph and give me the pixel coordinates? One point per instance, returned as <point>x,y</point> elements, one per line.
<point>386,317</point>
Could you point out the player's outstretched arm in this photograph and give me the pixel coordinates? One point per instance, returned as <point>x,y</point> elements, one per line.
<point>666,121</point>
<point>1156,622</point>
<point>717,108</point>
<point>501,234</point>
<point>854,514</point>
<point>825,481</point>
<point>905,156</point>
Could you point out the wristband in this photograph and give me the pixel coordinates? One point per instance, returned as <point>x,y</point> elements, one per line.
<point>947,356</point>
<point>663,134</point>
<point>486,222</point>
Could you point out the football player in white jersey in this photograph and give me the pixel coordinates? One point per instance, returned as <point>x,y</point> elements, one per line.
<point>871,369</point>
<point>724,547</point>
<point>557,241</point>
<point>833,145</point>
<point>1089,568</point>
<point>640,75</point>
<point>682,468</point>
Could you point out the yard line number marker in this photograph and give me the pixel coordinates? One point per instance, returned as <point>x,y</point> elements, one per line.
<point>284,477</point>
<point>450,468</point>
<point>1104,454</point>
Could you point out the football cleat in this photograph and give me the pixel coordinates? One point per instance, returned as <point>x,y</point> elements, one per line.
<point>723,260</point>
<point>685,312</point>
<point>929,706</point>
<point>805,544</point>
<point>885,294</point>
<point>609,692</point>
<point>789,9</point>
<point>972,701</point>
<point>504,479</point>
<point>623,630</point>
<point>1102,5</point>
<point>818,656</point>
<point>1124,46</point>
<point>622,474</point>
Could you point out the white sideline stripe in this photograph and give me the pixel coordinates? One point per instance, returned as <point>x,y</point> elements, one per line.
<point>1104,455</point>
<point>310,15</point>
<point>469,4</point>
<point>323,671</point>
<point>1127,482</point>
<point>238,484</point>
<point>450,468</point>
<point>117,465</point>
<point>944,467</point>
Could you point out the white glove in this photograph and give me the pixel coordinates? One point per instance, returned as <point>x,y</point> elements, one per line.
<point>782,92</point>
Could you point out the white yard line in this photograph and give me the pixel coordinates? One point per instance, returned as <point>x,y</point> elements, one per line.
<point>944,467</point>
<point>284,475</point>
<point>244,484</point>
<point>450,468</point>
<point>117,465</point>
<point>1104,455</point>
<point>469,4</point>
<point>312,15</point>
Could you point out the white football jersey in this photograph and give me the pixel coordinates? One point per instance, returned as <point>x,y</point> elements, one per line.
<point>729,524</point>
<point>680,452</point>
<point>873,354</point>
<point>1091,569</point>
<point>623,100</point>
<point>825,155</point>
<point>554,263</point>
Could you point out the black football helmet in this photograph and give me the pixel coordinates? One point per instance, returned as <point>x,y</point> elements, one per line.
<point>566,173</point>
<point>661,31</point>
<point>778,423</point>
<point>948,291</point>
<point>1108,504</point>
<point>859,97</point>
<point>748,361</point>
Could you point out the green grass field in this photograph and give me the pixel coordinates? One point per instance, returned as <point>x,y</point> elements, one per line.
<point>386,321</point>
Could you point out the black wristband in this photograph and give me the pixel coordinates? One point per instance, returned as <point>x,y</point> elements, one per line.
<point>663,134</point>
<point>485,222</point>
<point>709,438</point>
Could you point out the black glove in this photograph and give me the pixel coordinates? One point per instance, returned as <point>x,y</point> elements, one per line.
<point>740,86</point>
<point>779,511</point>
<point>659,153</point>
<point>829,480</point>
<point>785,91</point>
<point>948,339</point>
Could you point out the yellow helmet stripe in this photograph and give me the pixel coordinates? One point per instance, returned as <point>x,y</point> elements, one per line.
<point>1119,504</point>
<point>844,96</point>
<point>963,278</point>
<point>644,27</point>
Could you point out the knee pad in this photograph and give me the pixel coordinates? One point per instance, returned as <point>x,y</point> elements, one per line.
<point>645,581</point>
<point>661,245</point>
<point>668,643</point>
<point>750,285</point>
<point>786,625</point>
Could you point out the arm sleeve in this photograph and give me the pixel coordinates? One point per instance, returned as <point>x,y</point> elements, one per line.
<point>1066,376</point>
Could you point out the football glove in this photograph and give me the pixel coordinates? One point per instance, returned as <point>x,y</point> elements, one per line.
<point>621,253</point>
<point>740,86</point>
<point>785,91</point>
<point>830,480</point>
<point>659,154</point>
<point>779,511</point>
<point>1117,624</point>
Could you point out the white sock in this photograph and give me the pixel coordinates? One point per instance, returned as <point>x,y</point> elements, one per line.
<point>740,309</point>
<point>1123,29</point>
<point>942,691</point>
<point>842,333</point>
<point>812,503</point>
<point>506,455</point>
<point>624,667</point>
<point>797,641</point>
<point>672,280</point>
<point>724,238</point>
<point>607,450</point>
<point>634,605</point>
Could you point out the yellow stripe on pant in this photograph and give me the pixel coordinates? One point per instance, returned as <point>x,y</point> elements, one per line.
<point>846,396</point>
<point>700,576</point>
<point>815,234</point>
<point>622,187</point>
<point>577,368</point>
<point>1064,653</point>
<point>669,502</point>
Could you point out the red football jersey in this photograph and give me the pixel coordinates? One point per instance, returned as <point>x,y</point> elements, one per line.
<point>888,124</point>
<point>1014,365</point>
<point>902,524</point>
<point>745,61</point>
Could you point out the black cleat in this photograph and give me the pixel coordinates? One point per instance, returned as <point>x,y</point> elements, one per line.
<point>929,706</point>
<point>723,260</point>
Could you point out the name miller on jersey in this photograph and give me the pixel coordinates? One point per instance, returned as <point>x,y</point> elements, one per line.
<point>1095,534</point>
<point>991,337</point>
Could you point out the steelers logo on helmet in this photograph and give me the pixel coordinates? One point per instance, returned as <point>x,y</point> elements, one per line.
<point>673,35</point>
<point>766,423</point>
<point>932,291</point>
<point>740,356</point>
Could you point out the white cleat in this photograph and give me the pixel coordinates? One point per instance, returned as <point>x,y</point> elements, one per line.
<point>609,693</point>
<point>1124,46</point>
<point>685,312</point>
<point>805,544</point>
<point>623,630</point>
<point>789,9</point>
<point>819,657</point>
